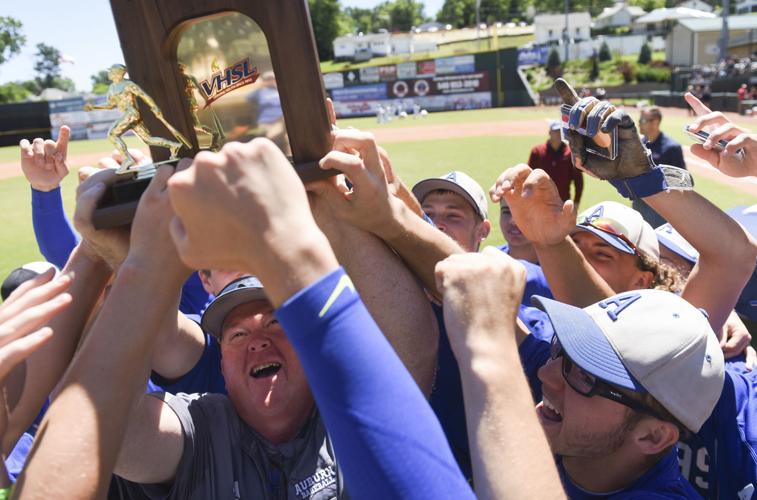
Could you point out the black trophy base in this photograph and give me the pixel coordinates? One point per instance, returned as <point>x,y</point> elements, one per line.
<point>119,203</point>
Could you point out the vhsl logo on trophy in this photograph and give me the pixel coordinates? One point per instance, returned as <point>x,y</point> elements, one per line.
<point>231,78</point>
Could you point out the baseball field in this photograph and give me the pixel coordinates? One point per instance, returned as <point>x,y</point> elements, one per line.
<point>481,143</point>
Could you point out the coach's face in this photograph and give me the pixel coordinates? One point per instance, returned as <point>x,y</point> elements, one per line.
<point>264,378</point>
<point>453,215</point>
<point>576,425</point>
<point>620,270</point>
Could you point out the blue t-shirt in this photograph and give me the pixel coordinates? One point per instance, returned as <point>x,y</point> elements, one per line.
<point>731,431</point>
<point>205,376</point>
<point>665,151</point>
<point>664,480</point>
<point>536,282</point>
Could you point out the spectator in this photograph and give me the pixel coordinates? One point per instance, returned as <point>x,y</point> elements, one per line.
<point>665,151</point>
<point>553,157</point>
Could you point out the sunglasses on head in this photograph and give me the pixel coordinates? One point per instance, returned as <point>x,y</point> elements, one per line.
<point>612,227</point>
<point>587,385</point>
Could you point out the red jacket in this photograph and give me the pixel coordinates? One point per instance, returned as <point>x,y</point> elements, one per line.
<point>559,167</point>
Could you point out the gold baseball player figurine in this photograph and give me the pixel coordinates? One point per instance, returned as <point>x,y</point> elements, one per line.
<point>190,85</point>
<point>123,94</point>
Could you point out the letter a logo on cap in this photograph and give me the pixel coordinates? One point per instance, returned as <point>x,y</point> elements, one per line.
<point>620,302</point>
<point>596,214</point>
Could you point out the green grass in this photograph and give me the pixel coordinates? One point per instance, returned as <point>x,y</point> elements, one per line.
<point>445,50</point>
<point>484,158</point>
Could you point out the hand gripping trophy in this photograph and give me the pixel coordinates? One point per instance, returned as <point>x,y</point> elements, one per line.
<point>123,94</point>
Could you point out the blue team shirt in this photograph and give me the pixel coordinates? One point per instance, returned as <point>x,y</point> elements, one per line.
<point>205,376</point>
<point>269,105</point>
<point>664,480</point>
<point>536,282</point>
<point>665,151</point>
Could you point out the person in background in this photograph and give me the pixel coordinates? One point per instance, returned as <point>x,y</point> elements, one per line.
<point>665,151</point>
<point>553,157</point>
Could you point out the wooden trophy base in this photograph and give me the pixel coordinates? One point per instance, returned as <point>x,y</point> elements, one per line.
<point>119,204</point>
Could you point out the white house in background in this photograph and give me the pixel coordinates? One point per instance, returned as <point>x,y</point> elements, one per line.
<point>697,5</point>
<point>548,28</point>
<point>661,20</point>
<point>746,6</point>
<point>619,14</point>
<point>363,47</point>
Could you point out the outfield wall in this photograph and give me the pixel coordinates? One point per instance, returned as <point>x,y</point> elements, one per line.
<point>471,81</point>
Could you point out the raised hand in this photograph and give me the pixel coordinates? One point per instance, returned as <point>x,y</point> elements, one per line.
<point>738,157</point>
<point>245,208</point>
<point>481,293</point>
<point>44,162</point>
<point>110,245</point>
<point>632,159</point>
<point>535,204</point>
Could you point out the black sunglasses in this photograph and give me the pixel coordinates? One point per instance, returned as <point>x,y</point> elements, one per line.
<point>587,385</point>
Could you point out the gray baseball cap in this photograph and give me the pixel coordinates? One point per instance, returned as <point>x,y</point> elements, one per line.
<point>236,293</point>
<point>457,182</point>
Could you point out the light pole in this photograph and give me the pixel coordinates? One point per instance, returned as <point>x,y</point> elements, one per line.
<point>723,42</point>
<point>567,29</point>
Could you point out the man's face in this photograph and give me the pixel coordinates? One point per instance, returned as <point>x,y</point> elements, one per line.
<point>509,229</point>
<point>453,215</point>
<point>214,280</point>
<point>264,378</point>
<point>555,138</point>
<point>618,269</point>
<point>577,426</point>
<point>648,125</point>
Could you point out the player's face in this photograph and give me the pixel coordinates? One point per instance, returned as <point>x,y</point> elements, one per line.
<point>509,229</point>
<point>453,215</point>
<point>675,261</point>
<point>576,425</point>
<point>617,268</point>
<point>264,378</point>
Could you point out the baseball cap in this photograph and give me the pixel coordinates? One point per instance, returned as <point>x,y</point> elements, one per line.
<point>747,303</point>
<point>238,292</point>
<point>646,341</point>
<point>621,227</point>
<point>457,182</point>
<point>554,125</point>
<point>673,241</point>
<point>20,275</point>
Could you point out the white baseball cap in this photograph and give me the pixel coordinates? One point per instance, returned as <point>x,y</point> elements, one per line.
<point>671,239</point>
<point>620,226</point>
<point>457,182</point>
<point>646,341</point>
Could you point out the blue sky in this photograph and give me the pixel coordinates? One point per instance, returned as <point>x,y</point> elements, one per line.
<point>87,34</point>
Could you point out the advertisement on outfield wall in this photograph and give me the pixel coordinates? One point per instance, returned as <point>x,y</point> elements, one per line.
<point>333,80</point>
<point>455,65</point>
<point>453,84</point>
<point>369,75</point>
<point>450,102</point>
<point>406,70</point>
<point>84,124</point>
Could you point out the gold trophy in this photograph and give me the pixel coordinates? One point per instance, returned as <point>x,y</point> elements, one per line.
<point>120,201</point>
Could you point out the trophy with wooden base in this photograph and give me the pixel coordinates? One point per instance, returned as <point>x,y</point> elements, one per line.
<point>205,73</point>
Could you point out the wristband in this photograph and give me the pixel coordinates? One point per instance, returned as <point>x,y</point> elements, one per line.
<point>656,180</point>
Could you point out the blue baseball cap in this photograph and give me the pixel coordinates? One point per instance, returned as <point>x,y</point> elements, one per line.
<point>236,293</point>
<point>747,303</point>
<point>647,341</point>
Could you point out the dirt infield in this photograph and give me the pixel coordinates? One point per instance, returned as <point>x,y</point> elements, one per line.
<point>463,130</point>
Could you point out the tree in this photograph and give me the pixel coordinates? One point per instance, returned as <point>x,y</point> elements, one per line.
<point>403,14</point>
<point>47,65</point>
<point>13,92</point>
<point>645,54</point>
<point>553,63</point>
<point>362,19</point>
<point>325,17</point>
<point>458,13</point>
<point>100,82</point>
<point>594,73</point>
<point>604,52</point>
<point>11,39</point>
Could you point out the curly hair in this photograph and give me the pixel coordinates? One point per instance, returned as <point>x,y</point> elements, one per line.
<point>665,277</point>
